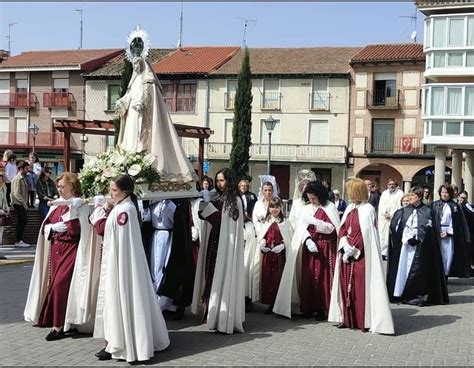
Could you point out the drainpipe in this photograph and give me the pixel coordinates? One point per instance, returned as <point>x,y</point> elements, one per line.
<point>344,173</point>
<point>28,90</point>
<point>208,98</point>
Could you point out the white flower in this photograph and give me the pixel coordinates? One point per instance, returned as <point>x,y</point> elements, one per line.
<point>108,173</point>
<point>150,158</point>
<point>134,170</point>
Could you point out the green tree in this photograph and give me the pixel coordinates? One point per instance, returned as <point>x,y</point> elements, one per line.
<point>126,76</point>
<point>242,128</point>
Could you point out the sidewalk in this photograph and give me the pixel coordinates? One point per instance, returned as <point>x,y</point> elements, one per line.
<point>9,254</point>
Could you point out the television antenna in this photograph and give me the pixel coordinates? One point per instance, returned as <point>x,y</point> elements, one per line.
<point>9,37</point>
<point>414,19</point>
<point>246,23</point>
<point>180,39</point>
<point>82,29</point>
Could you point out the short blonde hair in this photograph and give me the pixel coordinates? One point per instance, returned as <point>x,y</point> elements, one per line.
<point>243,181</point>
<point>73,180</point>
<point>356,190</point>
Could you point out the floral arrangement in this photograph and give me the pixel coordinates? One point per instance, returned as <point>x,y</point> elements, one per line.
<point>95,176</point>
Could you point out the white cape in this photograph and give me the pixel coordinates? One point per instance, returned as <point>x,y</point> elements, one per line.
<point>82,297</point>
<point>288,300</point>
<point>251,263</point>
<point>227,303</point>
<point>128,316</point>
<point>378,317</point>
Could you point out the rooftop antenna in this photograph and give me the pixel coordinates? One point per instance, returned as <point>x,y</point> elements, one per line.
<point>414,19</point>
<point>82,28</point>
<point>180,39</point>
<point>246,22</point>
<point>9,37</point>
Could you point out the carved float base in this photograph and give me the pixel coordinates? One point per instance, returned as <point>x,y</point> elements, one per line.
<point>167,190</point>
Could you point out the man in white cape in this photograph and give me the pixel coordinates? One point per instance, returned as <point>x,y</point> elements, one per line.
<point>390,201</point>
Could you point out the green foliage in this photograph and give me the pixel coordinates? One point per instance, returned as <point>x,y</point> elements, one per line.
<point>127,72</point>
<point>242,128</point>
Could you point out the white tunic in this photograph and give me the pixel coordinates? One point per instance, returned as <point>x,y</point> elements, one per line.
<point>389,203</point>
<point>447,243</point>
<point>251,263</point>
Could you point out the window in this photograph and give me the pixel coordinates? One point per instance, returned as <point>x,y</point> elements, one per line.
<point>439,59</point>
<point>320,100</point>
<point>21,131</point>
<point>437,101</point>
<point>4,129</point>
<point>228,126</point>
<point>385,92</point>
<point>264,132</point>
<point>437,128</point>
<point>383,137</point>
<point>469,101</point>
<point>456,32</point>
<point>454,101</point>
<point>60,97</point>
<point>271,94</point>
<point>318,132</point>
<point>455,59</point>
<point>428,34</point>
<point>469,128</point>
<point>230,94</point>
<point>439,32</point>
<point>453,128</point>
<point>470,31</point>
<point>180,96</point>
<point>113,94</point>
<point>110,143</point>
<point>469,59</point>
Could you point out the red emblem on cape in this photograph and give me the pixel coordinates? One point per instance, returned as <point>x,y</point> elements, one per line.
<point>122,218</point>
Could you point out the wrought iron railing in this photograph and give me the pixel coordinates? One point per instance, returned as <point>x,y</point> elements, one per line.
<point>271,101</point>
<point>319,101</point>
<point>58,99</point>
<point>381,98</point>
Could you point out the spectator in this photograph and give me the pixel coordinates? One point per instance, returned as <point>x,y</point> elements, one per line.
<point>427,195</point>
<point>4,209</point>
<point>46,189</point>
<point>19,198</point>
<point>456,193</point>
<point>206,183</point>
<point>340,204</point>
<point>11,169</point>
<point>405,201</point>
<point>326,184</point>
<point>374,194</point>
<point>6,155</point>
<point>32,177</point>
<point>248,198</point>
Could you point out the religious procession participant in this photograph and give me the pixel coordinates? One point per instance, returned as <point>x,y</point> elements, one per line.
<point>268,190</point>
<point>468,210</point>
<point>359,298</point>
<point>128,316</point>
<point>303,177</point>
<point>415,267</point>
<point>453,234</point>
<point>251,265</point>
<point>63,286</point>
<point>275,235</point>
<point>306,281</point>
<point>248,198</point>
<point>219,280</point>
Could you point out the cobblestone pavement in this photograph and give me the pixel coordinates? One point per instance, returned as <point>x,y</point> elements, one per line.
<point>439,335</point>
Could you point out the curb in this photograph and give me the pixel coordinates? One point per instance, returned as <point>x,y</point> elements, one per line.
<point>7,262</point>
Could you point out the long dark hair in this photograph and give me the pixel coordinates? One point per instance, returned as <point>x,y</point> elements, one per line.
<point>125,184</point>
<point>319,190</point>
<point>229,195</point>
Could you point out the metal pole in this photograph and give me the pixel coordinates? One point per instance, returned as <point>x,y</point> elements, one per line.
<point>269,151</point>
<point>34,142</point>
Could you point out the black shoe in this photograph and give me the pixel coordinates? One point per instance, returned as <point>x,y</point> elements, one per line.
<point>103,355</point>
<point>269,310</point>
<point>248,305</point>
<point>55,335</point>
<point>341,325</point>
<point>320,316</point>
<point>179,314</point>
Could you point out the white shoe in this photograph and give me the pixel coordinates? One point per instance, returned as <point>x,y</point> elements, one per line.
<point>22,244</point>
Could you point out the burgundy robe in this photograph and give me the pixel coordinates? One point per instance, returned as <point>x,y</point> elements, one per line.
<point>354,297</point>
<point>317,269</point>
<point>61,267</point>
<point>272,266</point>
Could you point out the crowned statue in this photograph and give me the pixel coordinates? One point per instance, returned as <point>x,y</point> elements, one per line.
<point>145,123</point>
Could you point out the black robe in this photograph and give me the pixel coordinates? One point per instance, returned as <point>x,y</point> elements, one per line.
<point>469,215</point>
<point>178,276</point>
<point>426,275</point>
<point>461,265</point>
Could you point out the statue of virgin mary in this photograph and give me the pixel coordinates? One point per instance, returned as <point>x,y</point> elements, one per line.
<point>145,123</point>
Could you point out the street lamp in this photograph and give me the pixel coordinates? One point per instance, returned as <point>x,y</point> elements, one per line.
<point>270,124</point>
<point>34,129</point>
<point>84,140</point>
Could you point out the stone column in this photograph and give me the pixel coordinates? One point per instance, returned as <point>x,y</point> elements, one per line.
<point>457,168</point>
<point>406,186</point>
<point>468,175</point>
<point>440,168</point>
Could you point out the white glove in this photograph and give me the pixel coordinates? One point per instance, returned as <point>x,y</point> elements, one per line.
<point>206,196</point>
<point>76,202</point>
<point>59,227</point>
<point>308,219</point>
<point>277,249</point>
<point>99,200</point>
<point>194,233</point>
<point>263,246</point>
<point>311,245</point>
<point>349,250</point>
<point>345,258</point>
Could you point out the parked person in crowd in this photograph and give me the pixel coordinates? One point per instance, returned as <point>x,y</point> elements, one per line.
<point>32,177</point>
<point>427,195</point>
<point>251,265</point>
<point>328,188</point>
<point>11,170</point>
<point>310,258</point>
<point>46,190</point>
<point>19,200</point>
<point>63,286</point>
<point>4,208</point>
<point>274,237</point>
<point>248,198</point>
<point>340,203</point>
<point>453,233</point>
<point>128,316</point>
<point>390,201</point>
<point>268,190</point>
<point>405,201</point>
<point>302,179</point>
<point>468,210</point>
<point>374,194</point>
<point>219,282</point>
<point>359,298</point>
<point>455,193</point>
<point>6,155</point>
<point>206,183</point>
<point>415,267</point>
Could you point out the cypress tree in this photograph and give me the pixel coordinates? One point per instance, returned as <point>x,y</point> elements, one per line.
<point>126,76</point>
<point>242,127</point>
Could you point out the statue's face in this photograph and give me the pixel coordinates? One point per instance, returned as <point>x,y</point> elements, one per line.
<point>136,46</point>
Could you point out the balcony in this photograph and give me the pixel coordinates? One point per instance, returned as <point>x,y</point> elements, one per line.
<point>283,152</point>
<point>18,100</point>
<point>405,145</point>
<point>58,99</point>
<point>452,133</point>
<point>319,101</point>
<point>229,100</point>
<point>382,99</point>
<point>271,101</point>
<point>46,140</point>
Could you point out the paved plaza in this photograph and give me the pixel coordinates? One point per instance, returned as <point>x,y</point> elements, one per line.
<point>439,335</point>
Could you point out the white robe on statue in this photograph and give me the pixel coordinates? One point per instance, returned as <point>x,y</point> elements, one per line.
<point>378,316</point>
<point>389,203</point>
<point>128,316</point>
<point>226,310</point>
<point>287,301</point>
<point>251,263</point>
<point>82,297</point>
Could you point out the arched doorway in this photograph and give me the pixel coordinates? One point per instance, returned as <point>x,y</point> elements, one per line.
<point>426,177</point>
<point>380,173</point>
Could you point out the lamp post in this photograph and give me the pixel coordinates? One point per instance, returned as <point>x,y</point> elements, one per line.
<point>34,129</point>
<point>84,140</point>
<point>270,124</point>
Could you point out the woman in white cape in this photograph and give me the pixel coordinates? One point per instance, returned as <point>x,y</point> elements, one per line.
<point>359,297</point>
<point>128,316</point>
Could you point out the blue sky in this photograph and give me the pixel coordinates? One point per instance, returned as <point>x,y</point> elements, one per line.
<point>279,24</point>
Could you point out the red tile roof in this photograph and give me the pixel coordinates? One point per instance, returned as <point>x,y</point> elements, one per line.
<point>85,59</point>
<point>390,52</point>
<point>195,60</point>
